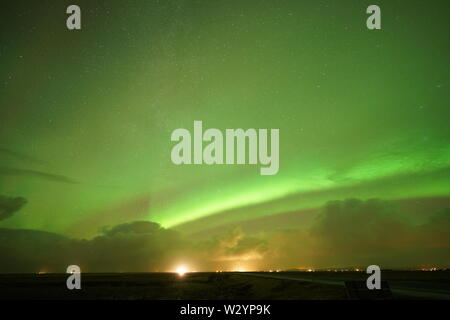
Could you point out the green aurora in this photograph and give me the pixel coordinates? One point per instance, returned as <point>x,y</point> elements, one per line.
<point>86,116</point>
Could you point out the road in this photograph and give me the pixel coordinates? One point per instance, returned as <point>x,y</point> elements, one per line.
<point>418,289</point>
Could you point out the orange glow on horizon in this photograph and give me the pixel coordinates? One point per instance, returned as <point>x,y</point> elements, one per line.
<point>181,270</point>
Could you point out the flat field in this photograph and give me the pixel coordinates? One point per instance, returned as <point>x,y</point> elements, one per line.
<point>219,286</point>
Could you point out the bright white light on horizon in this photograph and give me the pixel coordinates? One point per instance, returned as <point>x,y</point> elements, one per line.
<point>181,270</point>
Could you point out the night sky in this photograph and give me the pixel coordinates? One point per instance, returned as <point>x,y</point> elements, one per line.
<point>86,118</point>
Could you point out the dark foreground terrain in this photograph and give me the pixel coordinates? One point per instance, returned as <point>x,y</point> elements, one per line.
<point>216,286</point>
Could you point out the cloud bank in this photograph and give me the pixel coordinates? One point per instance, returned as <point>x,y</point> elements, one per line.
<point>345,233</point>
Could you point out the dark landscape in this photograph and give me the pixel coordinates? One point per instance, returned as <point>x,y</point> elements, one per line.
<point>220,286</point>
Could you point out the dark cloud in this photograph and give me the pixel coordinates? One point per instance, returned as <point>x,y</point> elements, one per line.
<point>354,232</point>
<point>357,226</point>
<point>37,174</point>
<point>20,156</point>
<point>10,205</point>
<point>34,251</point>
<point>137,227</point>
<point>137,246</point>
<point>345,233</point>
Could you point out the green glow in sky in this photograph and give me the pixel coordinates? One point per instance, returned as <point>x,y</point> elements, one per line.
<point>361,113</point>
